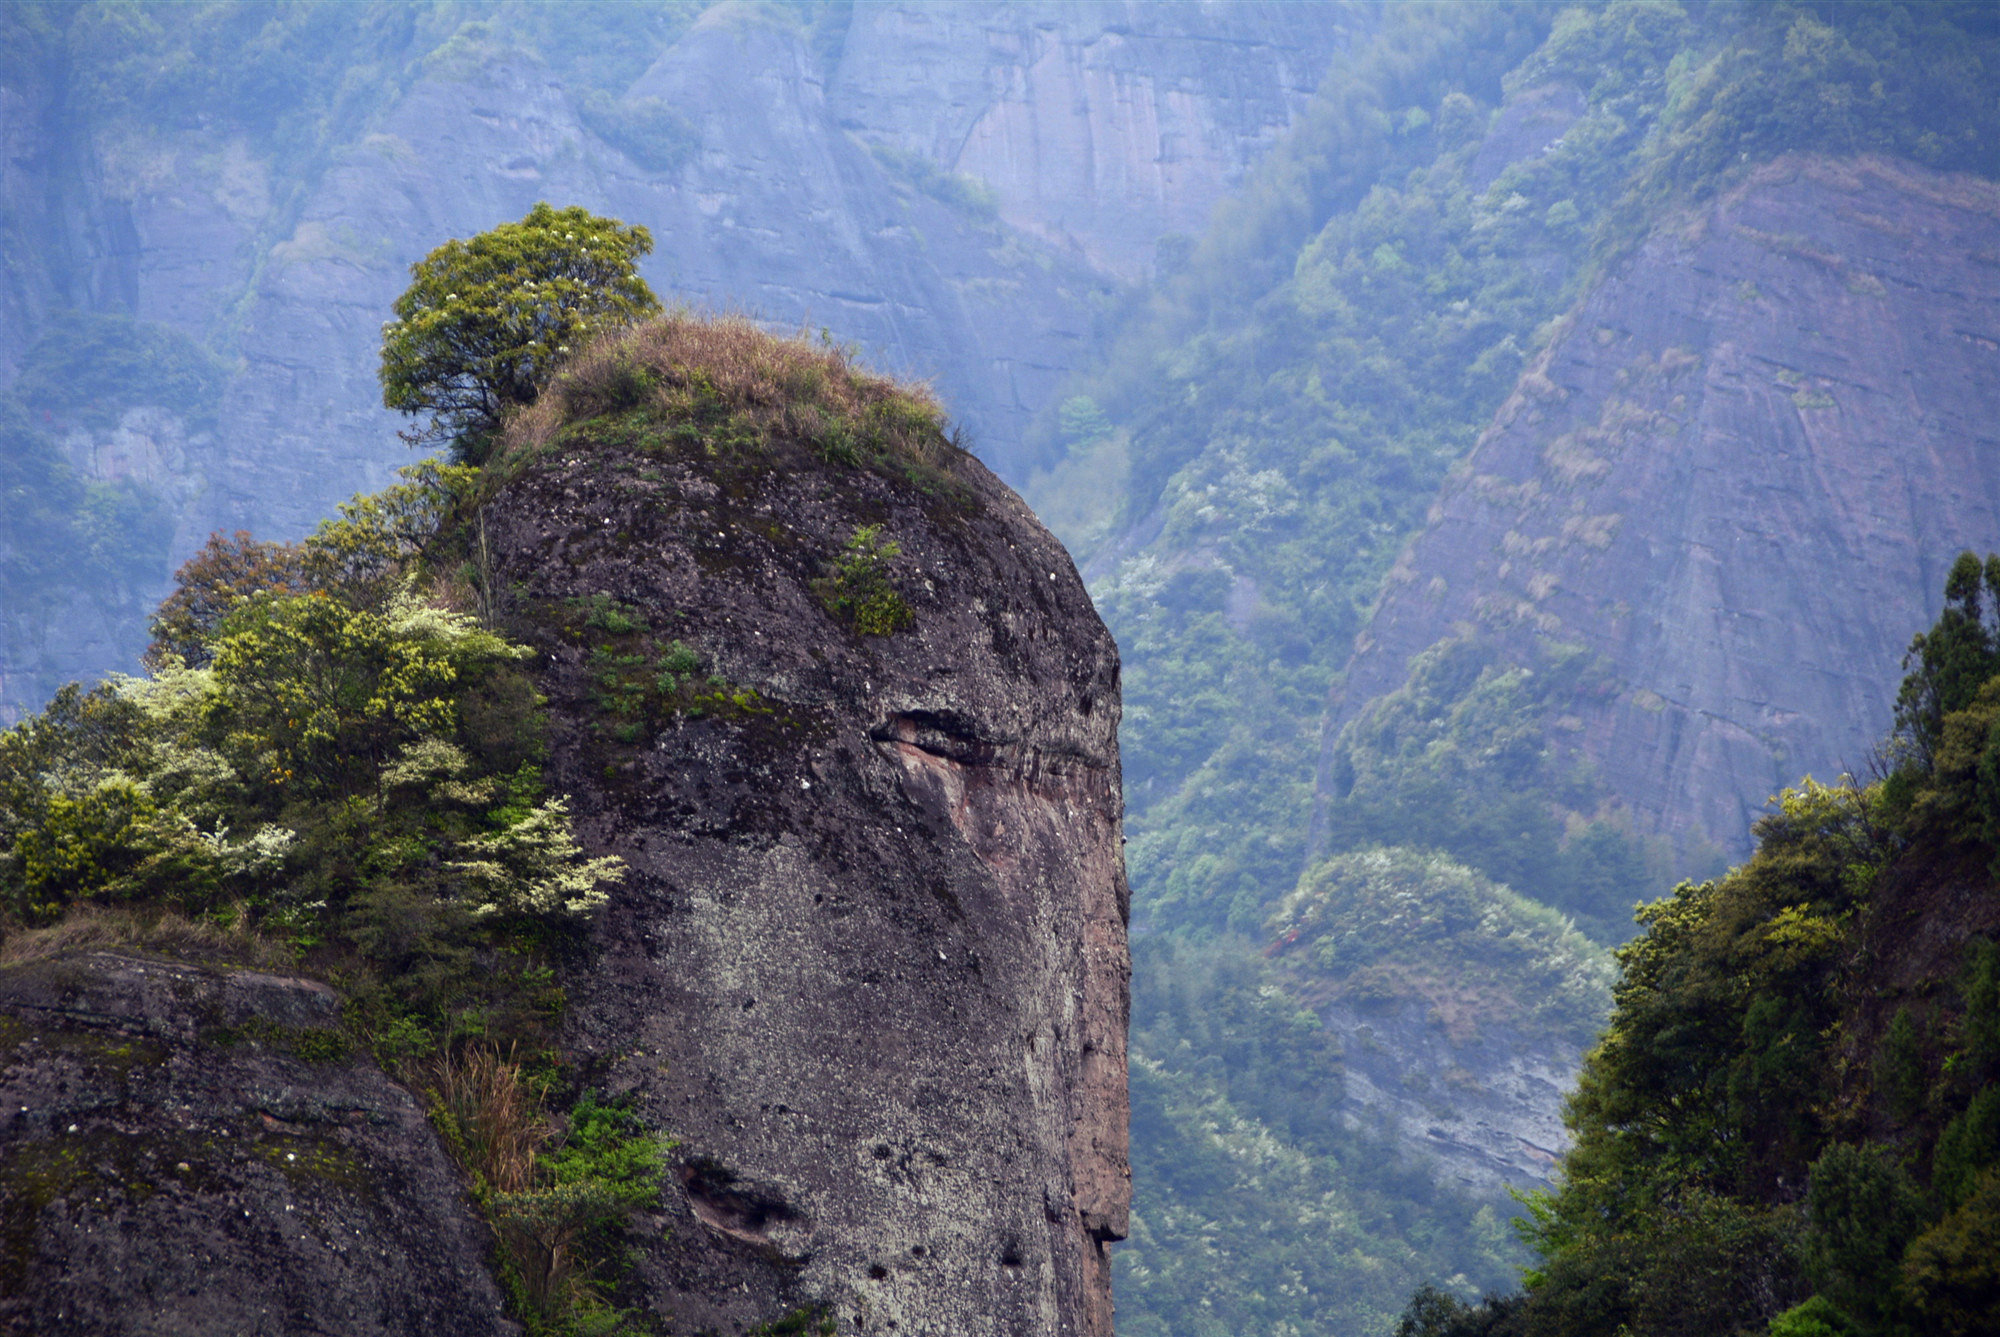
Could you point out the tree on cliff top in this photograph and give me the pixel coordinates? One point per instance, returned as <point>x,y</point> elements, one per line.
<point>484,321</point>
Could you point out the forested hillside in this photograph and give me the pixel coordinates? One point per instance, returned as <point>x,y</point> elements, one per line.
<point>1270,431</point>
<point>1792,1124</point>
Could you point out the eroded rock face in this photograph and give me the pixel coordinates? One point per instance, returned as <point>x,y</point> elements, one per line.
<point>1101,127</point>
<point>1738,477</point>
<point>1486,1108</point>
<point>170,1165</point>
<point>869,961</point>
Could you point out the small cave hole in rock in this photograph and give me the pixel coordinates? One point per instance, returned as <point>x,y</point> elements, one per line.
<point>720,1199</point>
<point>881,1151</point>
<point>876,1272</point>
<point>918,1250</point>
<point>1010,1254</point>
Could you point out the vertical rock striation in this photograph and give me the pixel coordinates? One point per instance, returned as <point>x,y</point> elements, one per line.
<point>869,961</point>
<point>1100,127</point>
<point>1737,477</point>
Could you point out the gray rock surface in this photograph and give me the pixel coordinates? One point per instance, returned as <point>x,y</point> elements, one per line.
<point>1484,1110</point>
<point>1738,476</point>
<point>869,963</point>
<point>169,1166</point>
<point>1101,127</point>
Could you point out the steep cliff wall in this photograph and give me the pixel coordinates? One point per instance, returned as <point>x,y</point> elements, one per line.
<point>777,212</point>
<point>869,963</point>
<point>1736,478</point>
<point>1100,127</point>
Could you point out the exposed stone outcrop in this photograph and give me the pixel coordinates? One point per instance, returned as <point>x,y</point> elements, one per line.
<point>1485,1109</point>
<point>1737,476</point>
<point>869,962</point>
<point>169,1164</point>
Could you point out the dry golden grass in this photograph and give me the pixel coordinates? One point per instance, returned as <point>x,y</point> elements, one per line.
<point>492,1116</point>
<point>494,1124</point>
<point>693,367</point>
<point>87,927</point>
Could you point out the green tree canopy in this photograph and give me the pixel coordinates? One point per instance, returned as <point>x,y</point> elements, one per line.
<point>484,321</point>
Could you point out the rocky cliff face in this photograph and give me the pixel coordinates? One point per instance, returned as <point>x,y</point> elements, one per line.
<point>869,962</point>
<point>777,212</point>
<point>1096,128</point>
<point>1484,1110</point>
<point>190,1149</point>
<point>1100,127</point>
<point>1737,478</point>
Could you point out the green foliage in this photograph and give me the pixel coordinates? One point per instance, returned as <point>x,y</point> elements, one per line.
<point>1387,926</point>
<point>88,368</point>
<point>1951,1274</point>
<point>860,591</point>
<point>609,1144</point>
<point>581,1193</point>
<point>1968,1144</point>
<point>354,559</point>
<point>1288,427</point>
<point>1816,1316</point>
<point>646,130</point>
<point>724,388</point>
<point>805,1321</point>
<point>484,322</point>
<point>1948,664</point>
<point>1757,1048</point>
<point>1900,1071</point>
<point>1462,755</point>
<point>353,767</point>
<point>1263,1202</point>
<point>968,195</point>
<point>1437,1313</point>
<point>311,692</point>
<point>1862,1209</point>
<point>1978,1059</point>
<point>533,868</point>
<point>677,666</point>
<point>354,771</point>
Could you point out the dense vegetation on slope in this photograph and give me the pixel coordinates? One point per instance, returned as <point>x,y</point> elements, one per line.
<point>1793,1122</point>
<point>1286,428</point>
<point>332,766</point>
<point>1278,413</point>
